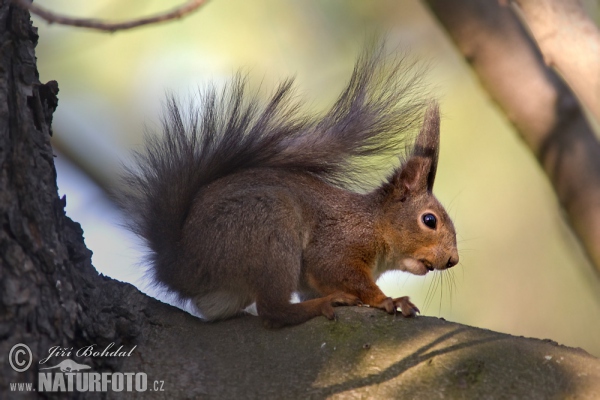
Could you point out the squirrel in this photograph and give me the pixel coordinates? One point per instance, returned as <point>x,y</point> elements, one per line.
<point>244,202</point>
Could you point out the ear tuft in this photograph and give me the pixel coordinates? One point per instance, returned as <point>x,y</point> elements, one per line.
<point>417,173</point>
<point>427,145</point>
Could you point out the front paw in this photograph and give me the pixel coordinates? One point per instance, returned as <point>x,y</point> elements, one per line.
<point>387,305</point>
<point>408,309</point>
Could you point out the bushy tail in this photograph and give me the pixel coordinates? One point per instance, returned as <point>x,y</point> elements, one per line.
<point>375,116</point>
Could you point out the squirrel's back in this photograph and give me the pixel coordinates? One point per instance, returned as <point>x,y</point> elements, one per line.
<point>229,132</point>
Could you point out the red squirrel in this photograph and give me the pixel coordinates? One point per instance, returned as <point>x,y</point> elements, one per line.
<point>242,202</point>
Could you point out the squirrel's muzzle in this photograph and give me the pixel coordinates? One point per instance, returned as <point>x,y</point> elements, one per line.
<point>452,261</point>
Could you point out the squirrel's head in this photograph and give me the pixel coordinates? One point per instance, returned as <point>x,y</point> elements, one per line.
<point>419,233</point>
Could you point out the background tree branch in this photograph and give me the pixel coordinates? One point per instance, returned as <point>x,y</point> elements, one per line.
<point>542,108</point>
<point>91,23</point>
<point>570,42</point>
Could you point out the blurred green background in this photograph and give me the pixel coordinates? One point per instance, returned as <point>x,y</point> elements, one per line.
<point>521,270</point>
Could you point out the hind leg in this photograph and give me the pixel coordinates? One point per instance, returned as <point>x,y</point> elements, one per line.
<point>281,270</point>
<point>276,313</point>
<point>275,290</point>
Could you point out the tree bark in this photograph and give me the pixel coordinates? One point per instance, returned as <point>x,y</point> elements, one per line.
<point>50,295</point>
<point>542,108</point>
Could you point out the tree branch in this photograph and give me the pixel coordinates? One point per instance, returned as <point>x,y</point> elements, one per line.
<point>53,18</point>
<point>365,353</point>
<point>570,42</point>
<point>541,107</point>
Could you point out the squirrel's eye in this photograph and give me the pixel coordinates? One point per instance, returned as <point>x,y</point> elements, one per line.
<point>430,220</point>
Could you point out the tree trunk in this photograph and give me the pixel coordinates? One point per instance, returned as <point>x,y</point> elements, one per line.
<point>50,295</point>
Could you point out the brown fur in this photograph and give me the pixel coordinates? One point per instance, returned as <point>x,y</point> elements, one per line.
<point>273,219</point>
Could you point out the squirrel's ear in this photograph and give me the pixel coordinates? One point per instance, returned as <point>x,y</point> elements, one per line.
<point>411,177</point>
<point>427,147</point>
<point>417,173</point>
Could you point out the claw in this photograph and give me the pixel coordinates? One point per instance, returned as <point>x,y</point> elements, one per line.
<point>408,308</point>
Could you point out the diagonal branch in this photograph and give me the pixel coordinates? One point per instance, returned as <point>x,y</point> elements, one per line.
<point>542,108</point>
<point>570,42</point>
<point>53,18</point>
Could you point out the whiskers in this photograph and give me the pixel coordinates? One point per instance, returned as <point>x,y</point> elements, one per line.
<point>443,285</point>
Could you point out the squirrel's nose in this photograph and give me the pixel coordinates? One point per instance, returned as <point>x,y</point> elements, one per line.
<point>452,261</point>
